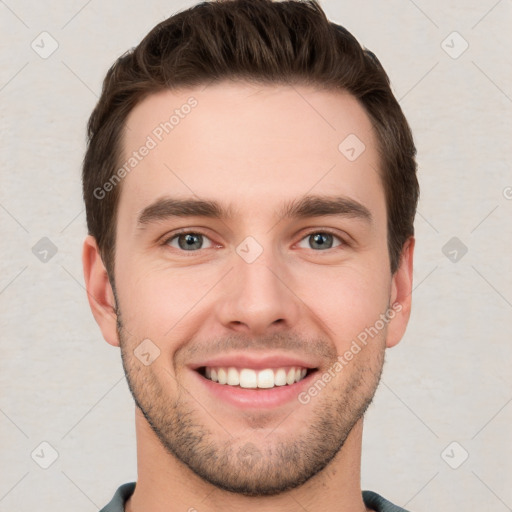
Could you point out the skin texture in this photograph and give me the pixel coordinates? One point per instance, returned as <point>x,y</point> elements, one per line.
<point>251,148</point>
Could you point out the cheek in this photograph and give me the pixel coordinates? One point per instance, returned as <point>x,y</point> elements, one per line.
<point>348,300</point>
<point>157,302</point>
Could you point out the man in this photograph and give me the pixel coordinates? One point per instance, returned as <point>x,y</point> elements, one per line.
<point>250,186</point>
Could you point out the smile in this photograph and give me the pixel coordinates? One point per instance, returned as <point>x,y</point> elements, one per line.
<point>254,378</point>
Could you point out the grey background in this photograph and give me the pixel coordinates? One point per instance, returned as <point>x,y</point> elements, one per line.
<point>448,381</point>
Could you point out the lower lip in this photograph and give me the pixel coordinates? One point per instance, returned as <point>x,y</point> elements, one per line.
<point>247,398</point>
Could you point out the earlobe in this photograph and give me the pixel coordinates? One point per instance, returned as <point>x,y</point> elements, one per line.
<point>401,295</point>
<point>99,291</point>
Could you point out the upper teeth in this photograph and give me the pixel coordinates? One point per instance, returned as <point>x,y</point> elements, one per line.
<point>249,378</point>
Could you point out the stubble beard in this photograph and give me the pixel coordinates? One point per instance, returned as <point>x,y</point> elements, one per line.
<point>267,467</point>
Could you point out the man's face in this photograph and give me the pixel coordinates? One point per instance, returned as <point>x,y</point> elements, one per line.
<point>256,289</point>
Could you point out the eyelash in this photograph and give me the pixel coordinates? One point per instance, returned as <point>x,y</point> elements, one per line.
<point>176,234</point>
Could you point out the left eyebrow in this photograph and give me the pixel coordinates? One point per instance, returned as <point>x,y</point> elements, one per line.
<point>308,206</point>
<point>318,206</point>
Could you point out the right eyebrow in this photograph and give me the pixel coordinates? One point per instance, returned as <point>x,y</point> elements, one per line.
<point>167,207</point>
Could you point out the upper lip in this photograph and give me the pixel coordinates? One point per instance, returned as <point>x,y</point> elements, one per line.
<point>259,362</point>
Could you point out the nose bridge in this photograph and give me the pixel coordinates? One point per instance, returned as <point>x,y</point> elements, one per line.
<point>257,297</point>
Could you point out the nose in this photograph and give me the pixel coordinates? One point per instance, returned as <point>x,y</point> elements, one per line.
<point>258,298</point>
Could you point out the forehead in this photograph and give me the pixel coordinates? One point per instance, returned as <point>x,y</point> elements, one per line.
<point>249,146</point>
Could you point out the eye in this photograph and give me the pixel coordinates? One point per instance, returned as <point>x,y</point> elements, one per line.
<point>322,240</point>
<point>188,241</point>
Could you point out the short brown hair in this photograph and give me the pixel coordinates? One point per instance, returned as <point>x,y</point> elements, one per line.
<point>259,41</point>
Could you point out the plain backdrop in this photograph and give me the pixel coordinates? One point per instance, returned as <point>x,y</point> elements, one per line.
<point>438,435</point>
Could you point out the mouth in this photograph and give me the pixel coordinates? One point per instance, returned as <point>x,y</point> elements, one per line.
<point>252,378</point>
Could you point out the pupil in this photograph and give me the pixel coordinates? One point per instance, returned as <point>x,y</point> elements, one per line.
<point>320,238</point>
<point>190,241</point>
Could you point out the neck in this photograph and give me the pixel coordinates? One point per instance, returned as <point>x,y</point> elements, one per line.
<point>165,484</point>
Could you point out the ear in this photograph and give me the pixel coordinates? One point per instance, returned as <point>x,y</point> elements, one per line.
<point>401,295</point>
<point>99,291</point>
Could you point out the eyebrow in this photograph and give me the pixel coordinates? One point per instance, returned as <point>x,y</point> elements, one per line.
<point>305,207</point>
